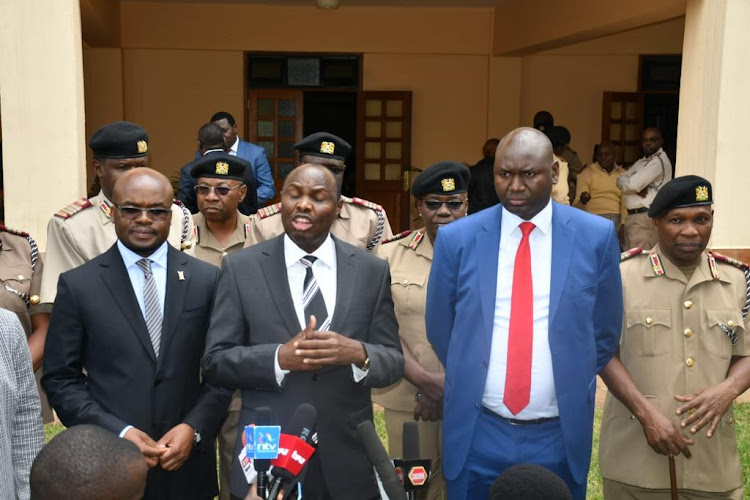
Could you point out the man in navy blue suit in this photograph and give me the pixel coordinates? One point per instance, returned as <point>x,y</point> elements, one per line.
<point>524,308</point>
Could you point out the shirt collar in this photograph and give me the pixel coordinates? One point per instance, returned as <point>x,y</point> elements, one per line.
<point>326,252</point>
<point>129,257</point>
<point>213,151</point>
<point>542,220</point>
<point>236,145</point>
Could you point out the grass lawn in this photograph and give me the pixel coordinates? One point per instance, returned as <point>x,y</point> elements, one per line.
<point>742,426</point>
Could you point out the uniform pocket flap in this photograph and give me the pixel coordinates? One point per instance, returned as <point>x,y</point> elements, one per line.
<point>648,317</point>
<point>406,278</point>
<point>726,317</point>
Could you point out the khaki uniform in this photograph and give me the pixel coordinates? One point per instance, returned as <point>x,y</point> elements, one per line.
<point>675,341</point>
<point>560,191</point>
<point>21,276</point>
<point>410,259</point>
<point>84,230</point>
<point>208,249</point>
<point>361,223</point>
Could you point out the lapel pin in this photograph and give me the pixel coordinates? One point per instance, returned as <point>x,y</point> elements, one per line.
<point>181,275</point>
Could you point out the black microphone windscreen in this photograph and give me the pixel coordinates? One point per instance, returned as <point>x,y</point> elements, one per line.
<point>379,459</point>
<point>302,422</point>
<point>411,440</point>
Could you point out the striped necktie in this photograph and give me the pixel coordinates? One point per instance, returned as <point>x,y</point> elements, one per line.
<point>152,304</point>
<point>312,297</point>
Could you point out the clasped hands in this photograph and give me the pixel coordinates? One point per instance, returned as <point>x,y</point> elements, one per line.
<point>311,350</point>
<point>171,451</point>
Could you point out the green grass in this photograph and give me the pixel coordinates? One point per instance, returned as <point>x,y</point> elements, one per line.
<point>742,427</point>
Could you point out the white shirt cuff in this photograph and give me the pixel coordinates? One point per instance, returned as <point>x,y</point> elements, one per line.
<point>358,373</point>
<point>280,374</point>
<point>125,431</point>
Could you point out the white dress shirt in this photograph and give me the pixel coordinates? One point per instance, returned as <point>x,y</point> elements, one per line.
<point>325,272</point>
<point>233,150</point>
<point>543,400</point>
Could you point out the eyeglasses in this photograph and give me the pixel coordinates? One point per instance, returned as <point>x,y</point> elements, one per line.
<point>435,205</point>
<point>203,190</point>
<point>156,214</point>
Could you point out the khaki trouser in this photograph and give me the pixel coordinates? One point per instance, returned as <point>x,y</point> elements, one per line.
<point>227,437</point>
<point>47,415</point>
<point>430,446</point>
<point>614,490</point>
<point>639,232</point>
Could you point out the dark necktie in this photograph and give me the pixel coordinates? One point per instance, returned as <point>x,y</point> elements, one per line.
<point>152,305</point>
<point>521,328</point>
<point>312,297</point>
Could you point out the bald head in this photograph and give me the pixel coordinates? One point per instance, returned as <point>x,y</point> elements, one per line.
<point>142,177</point>
<point>527,141</point>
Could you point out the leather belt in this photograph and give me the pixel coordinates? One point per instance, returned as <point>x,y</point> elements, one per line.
<point>514,421</point>
<point>637,211</point>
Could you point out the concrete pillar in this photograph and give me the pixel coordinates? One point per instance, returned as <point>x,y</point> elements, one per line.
<point>714,107</point>
<point>41,94</point>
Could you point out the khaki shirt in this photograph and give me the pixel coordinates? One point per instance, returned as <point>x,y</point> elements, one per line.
<point>672,343</point>
<point>561,190</point>
<point>84,230</point>
<point>361,223</point>
<point>650,172</point>
<point>207,247</point>
<point>21,282</point>
<point>410,260</point>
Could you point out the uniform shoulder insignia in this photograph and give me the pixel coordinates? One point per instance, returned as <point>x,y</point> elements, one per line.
<point>178,202</point>
<point>416,239</point>
<point>368,204</point>
<point>398,236</point>
<point>627,254</point>
<point>380,213</point>
<point>269,210</point>
<point>729,260</point>
<point>7,229</point>
<point>34,253</point>
<point>74,208</point>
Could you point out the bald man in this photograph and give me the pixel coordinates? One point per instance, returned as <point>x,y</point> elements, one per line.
<point>521,330</point>
<point>125,340</point>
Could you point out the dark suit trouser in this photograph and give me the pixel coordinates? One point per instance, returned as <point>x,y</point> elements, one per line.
<point>497,445</point>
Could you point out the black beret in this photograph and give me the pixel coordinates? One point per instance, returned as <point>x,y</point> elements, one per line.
<point>324,145</point>
<point>219,165</point>
<point>446,177</point>
<point>685,191</point>
<point>119,140</point>
<point>528,481</point>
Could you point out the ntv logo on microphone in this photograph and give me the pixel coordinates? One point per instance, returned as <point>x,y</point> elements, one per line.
<point>262,441</point>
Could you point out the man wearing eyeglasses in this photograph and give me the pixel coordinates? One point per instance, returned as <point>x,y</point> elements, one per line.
<point>125,340</point>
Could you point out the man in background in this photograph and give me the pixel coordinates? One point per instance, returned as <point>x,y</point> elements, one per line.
<point>597,186</point>
<point>482,184</point>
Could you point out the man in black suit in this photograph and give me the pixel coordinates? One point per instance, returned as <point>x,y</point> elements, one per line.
<point>307,318</point>
<point>125,339</point>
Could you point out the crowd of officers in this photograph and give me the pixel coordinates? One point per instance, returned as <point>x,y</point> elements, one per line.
<point>684,337</point>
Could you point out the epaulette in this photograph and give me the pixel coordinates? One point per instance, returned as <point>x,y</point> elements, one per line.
<point>178,202</point>
<point>33,257</point>
<point>417,239</point>
<point>247,227</point>
<point>74,208</point>
<point>380,213</point>
<point>742,267</point>
<point>398,236</point>
<point>7,229</point>
<point>627,254</point>
<point>269,210</point>
<point>368,204</point>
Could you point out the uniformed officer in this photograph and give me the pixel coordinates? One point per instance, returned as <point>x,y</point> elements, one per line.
<point>222,229</point>
<point>83,230</point>
<point>361,223</point>
<point>21,277</point>
<point>440,198</point>
<point>682,359</point>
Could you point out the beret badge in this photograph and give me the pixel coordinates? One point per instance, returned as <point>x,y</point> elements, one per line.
<point>448,184</point>
<point>222,168</point>
<point>142,146</point>
<point>701,193</point>
<point>327,147</point>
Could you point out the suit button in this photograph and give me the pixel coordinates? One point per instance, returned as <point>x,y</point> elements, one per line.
<point>688,304</point>
<point>157,382</point>
<point>315,377</point>
<point>690,362</point>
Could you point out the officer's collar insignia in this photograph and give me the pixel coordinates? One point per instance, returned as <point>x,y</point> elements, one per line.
<point>327,147</point>
<point>656,265</point>
<point>701,193</point>
<point>222,168</point>
<point>712,266</point>
<point>416,239</point>
<point>142,146</point>
<point>106,209</point>
<point>448,184</point>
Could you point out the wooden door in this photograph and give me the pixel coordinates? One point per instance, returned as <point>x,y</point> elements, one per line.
<point>622,124</point>
<point>384,152</point>
<point>275,124</point>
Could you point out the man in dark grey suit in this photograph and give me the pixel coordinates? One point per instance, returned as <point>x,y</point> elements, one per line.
<point>125,340</point>
<point>307,318</point>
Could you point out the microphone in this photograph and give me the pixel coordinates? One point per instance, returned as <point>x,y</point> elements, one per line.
<point>295,449</point>
<point>379,458</point>
<point>413,471</point>
<point>263,417</point>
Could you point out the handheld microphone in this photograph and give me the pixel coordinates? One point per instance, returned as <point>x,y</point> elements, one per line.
<point>413,471</point>
<point>295,449</point>
<point>263,417</point>
<point>379,458</point>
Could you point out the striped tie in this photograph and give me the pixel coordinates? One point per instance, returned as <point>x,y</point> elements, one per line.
<point>151,304</point>
<point>312,297</point>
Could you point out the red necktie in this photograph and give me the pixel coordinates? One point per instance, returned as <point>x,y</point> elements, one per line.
<point>521,329</point>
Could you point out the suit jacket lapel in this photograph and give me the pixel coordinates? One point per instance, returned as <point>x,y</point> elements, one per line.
<point>274,270</point>
<point>346,276</point>
<point>488,246</point>
<point>176,291</point>
<point>117,281</point>
<point>562,251</point>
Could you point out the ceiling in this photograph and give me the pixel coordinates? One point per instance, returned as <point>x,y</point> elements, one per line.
<point>349,3</point>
